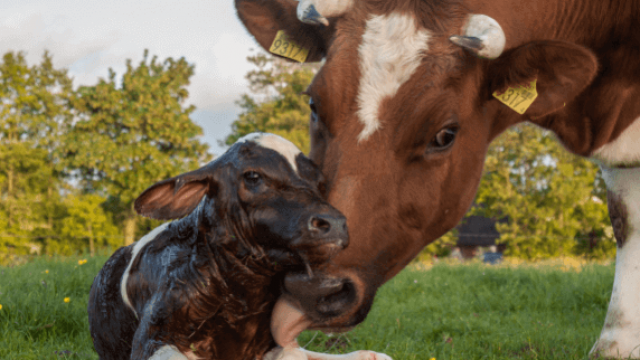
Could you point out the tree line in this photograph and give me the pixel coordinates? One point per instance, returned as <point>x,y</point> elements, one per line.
<point>73,160</point>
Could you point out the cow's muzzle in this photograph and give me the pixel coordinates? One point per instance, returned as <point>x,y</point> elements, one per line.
<point>332,303</point>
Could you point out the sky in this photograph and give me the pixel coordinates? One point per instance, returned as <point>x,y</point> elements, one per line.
<point>88,37</point>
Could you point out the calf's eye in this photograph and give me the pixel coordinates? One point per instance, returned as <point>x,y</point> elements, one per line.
<point>444,138</point>
<point>252,177</point>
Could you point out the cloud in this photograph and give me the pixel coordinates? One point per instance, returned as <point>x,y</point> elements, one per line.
<point>88,38</point>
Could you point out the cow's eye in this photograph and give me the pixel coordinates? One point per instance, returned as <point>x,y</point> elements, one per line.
<point>444,138</point>
<point>252,177</point>
<point>314,110</point>
<point>312,106</point>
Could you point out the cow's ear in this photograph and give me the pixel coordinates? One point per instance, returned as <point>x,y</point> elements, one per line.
<point>264,18</point>
<point>562,71</point>
<point>177,197</point>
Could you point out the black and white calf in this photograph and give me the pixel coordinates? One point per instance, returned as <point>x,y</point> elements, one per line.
<point>204,286</point>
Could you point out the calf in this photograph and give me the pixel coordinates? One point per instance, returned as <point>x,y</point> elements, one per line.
<point>204,286</point>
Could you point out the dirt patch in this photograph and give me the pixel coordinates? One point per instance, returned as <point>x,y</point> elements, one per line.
<point>618,214</point>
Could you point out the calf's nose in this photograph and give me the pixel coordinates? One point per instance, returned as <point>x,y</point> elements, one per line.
<point>330,227</point>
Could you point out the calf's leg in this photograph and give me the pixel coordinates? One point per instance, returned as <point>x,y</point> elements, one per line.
<point>145,344</point>
<point>620,337</point>
<point>168,352</point>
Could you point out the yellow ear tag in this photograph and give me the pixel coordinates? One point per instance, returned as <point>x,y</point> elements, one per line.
<point>518,98</point>
<point>284,47</point>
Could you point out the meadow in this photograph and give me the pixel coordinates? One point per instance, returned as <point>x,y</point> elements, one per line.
<point>445,312</point>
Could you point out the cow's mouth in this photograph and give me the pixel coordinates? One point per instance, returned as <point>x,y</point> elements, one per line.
<point>322,298</point>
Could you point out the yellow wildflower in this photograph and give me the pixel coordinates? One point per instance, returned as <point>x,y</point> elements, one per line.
<point>432,359</point>
<point>80,262</point>
<point>46,271</point>
<point>67,299</point>
<point>0,306</point>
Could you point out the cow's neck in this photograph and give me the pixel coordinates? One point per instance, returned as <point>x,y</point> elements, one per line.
<point>588,23</point>
<point>603,122</point>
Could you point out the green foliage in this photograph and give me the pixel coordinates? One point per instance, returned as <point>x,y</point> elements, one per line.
<point>130,136</point>
<point>447,312</point>
<point>72,162</point>
<point>34,112</point>
<point>278,105</point>
<point>85,226</point>
<point>547,195</point>
<point>439,248</point>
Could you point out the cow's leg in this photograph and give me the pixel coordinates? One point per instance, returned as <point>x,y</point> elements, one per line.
<point>620,337</point>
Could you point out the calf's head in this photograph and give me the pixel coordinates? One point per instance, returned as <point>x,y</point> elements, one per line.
<point>402,116</point>
<point>264,194</point>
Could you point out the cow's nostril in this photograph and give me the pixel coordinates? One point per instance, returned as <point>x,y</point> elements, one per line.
<point>318,224</point>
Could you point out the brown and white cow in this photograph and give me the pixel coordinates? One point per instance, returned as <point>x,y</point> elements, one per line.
<point>403,113</point>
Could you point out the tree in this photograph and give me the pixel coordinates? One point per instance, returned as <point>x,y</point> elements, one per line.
<point>278,105</point>
<point>85,223</point>
<point>34,112</point>
<point>547,195</point>
<point>130,136</point>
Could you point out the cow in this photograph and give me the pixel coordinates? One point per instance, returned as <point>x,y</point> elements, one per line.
<point>403,111</point>
<point>204,285</point>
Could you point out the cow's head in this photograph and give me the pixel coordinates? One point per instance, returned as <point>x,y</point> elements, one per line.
<point>402,115</point>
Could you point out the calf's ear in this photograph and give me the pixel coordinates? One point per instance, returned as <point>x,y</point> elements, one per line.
<point>562,71</point>
<point>264,18</point>
<point>310,172</point>
<point>176,197</point>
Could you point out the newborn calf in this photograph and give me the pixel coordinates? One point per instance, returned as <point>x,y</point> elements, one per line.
<point>204,286</point>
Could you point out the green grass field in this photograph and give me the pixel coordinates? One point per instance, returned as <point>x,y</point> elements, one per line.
<point>447,312</point>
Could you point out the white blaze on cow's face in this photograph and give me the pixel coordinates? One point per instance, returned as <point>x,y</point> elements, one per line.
<point>134,252</point>
<point>392,49</point>
<point>624,150</point>
<point>276,143</point>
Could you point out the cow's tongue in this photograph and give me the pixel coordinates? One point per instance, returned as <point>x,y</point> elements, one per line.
<point>287,322</point>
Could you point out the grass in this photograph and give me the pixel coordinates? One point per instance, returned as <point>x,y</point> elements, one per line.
<point>446,312</point>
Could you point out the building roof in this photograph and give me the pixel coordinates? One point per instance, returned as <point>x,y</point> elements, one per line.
<point>477,231</point>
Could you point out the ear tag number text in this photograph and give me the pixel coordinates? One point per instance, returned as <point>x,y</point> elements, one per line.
<point>518,98</point>
<point>284,47</point>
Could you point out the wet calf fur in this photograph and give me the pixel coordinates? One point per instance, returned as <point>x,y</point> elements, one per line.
<point>204,286</point>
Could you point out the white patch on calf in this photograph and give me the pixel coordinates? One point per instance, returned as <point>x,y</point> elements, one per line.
<point>168,352</point>
<point>391,51</point>
<point>620,337</point>
<point>275,143</point>
<point>136,249</point>
<point>624,150</point>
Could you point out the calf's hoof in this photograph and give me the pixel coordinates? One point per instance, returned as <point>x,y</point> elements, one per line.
<point>372,355</point>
